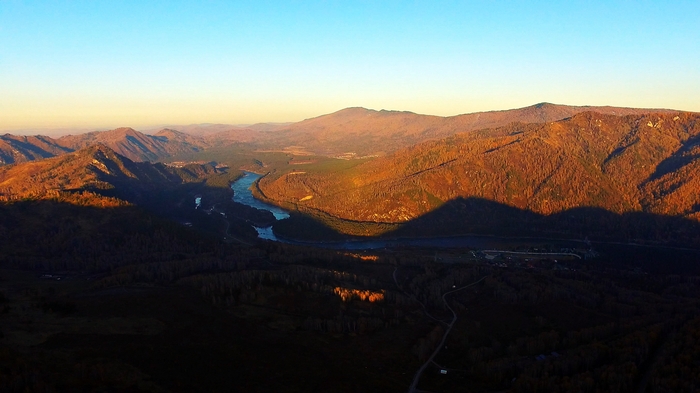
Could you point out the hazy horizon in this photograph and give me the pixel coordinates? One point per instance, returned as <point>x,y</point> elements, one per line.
<point>101,65</point>
<point>150,128</point>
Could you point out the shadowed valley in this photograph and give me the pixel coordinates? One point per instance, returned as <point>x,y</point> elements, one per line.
<point>121,273</point>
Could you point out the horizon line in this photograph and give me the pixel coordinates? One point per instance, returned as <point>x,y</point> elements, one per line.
<point>67,130</point>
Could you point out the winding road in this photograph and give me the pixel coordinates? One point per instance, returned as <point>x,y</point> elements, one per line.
<point>413,386</point>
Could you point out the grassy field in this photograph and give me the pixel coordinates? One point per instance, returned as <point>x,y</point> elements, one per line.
<point>249,158</point>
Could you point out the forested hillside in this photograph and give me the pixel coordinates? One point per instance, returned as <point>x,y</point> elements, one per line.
<point>16,148</point>
<point>618,164</point>
<point>348,133</point>
<point>125,141</point>
<point>136,145</point>
<point>117,298</point>
<point>94,169</point>
<point>358,132</point>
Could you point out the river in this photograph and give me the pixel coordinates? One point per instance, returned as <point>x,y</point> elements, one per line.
<point>243,195</point>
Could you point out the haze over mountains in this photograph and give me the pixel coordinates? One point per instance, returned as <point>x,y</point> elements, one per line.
<point>126,141</point>
<point>211,129</point>
<point>544,159</point>
<point>353,132</point>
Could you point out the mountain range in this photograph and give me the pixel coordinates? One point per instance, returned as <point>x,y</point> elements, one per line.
<point>126,141</point>
<point>18,148</point>
<point>95,169</point>
<point>622,164</point>
<point>357,132</point>
<point>544,159</point>
<point>120,275</point>
<point>350,133</point>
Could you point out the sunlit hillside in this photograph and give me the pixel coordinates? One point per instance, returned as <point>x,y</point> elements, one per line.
<point>358,132</point>
<point>622,164</point>
<point>93,169</point>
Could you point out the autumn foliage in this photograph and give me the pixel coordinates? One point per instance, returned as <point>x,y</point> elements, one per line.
<point>347,294</point>
<point>620,164</point>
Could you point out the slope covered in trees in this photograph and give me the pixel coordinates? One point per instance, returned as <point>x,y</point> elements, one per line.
<point>94,169</point>
<point>357,132</point>
<point>136,145</point>
<point>350,133</point>
<point>116,298</point>
<point>16,149</point>
<point>125,141</point>
<point>619,164</point>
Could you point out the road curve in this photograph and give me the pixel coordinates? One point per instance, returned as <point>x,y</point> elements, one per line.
<point>412,388</point>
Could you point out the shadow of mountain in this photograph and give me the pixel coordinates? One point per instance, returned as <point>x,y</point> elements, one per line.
<point>469,215</point>
<point>482,216</point>
<point>138,149</point>
<point>83,231</point>
<point>653,243</point>
<point>28,148</point>
<point>54,236</point>
<point>477,216</point>
<point>677,160</point>
<point>307,228</point>
<point>217,216</point>
<point>35,151</point>
<point>149,179</point>
<point>130,281</point>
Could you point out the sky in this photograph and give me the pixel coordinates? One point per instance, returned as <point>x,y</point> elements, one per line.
<point>105,64</point>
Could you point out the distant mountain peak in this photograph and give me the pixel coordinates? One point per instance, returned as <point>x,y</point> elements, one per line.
<point>169,131</point>
<point>354,110</point>
<point>543,104</point>
<point>122,130</point>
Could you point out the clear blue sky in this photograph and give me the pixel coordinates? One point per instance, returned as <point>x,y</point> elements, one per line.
<point>142,63</point>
